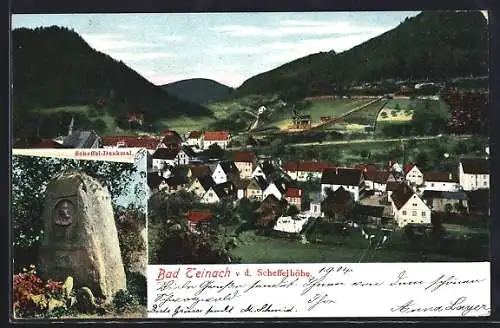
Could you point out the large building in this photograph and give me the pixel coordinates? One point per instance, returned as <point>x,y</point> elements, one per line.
<point>351,180</point>
<point>474,173</point>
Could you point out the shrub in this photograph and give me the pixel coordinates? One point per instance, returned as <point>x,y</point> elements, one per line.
<point>123,301</point>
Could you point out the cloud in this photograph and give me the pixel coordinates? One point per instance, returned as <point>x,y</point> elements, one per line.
<point>140,56</point>
<point>106,42</point>
<point>297,28</point>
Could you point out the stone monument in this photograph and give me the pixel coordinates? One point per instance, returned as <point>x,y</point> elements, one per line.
<point>80,237</point>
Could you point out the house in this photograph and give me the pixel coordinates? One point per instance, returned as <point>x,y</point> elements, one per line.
<point>301,122</point>
<point>447,201</point>
<point>269,210</point>
<point>245,161</point>
<point>440,181</point>
<point>338,202</point>
<point>241,186</point>
<point>225,171</point>
<point>198,171</point>
<point>380,181</point>
<point>219,192</point>
<point>258,171</point>
<point>196,218</point>
<point>369,174</point>
<point>201,185</point>
<point>195,139</point>
<point>290,224</point>
<point>474,173</point>
<point>220,138</point>
<point>305,171</point>
<point>315,206</point>
<point>295,196</point>
<point>82,139</point>
<point>255,188</point>
<point>408,207</point>
<point>395,167</point>
<point>170,139</point>
<point>164,157</point>
<point>350,179</point>
<point>38,143</point>
<point>413,175</point>
<point>276,188</point>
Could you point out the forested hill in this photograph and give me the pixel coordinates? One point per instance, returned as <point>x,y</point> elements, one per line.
<point>199,91</point>
<point>54,66</point>
<point>434,45</point>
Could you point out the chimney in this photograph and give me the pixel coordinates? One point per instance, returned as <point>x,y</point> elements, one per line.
<point>450,177</point>
<point>300,192</point>
<point>337,171</point>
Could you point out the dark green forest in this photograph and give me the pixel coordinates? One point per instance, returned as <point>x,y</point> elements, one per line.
<point>433,45</point>
<point>54,66</point>
<point>199,91</point>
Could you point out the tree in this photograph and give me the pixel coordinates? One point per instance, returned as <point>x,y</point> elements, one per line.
<point>383,115</point>
<point>99,126</point>
<point>30,176</point>
<point>292,211</point>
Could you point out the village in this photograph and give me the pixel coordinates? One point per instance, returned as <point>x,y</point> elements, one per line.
<point>293,195</point>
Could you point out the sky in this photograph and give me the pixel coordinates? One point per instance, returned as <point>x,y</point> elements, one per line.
<point>226,47</point>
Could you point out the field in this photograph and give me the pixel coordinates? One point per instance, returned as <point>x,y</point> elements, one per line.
<point>186,124</point>
<point>261,249</point>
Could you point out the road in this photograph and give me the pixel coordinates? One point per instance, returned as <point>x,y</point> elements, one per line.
<point>357,141</point>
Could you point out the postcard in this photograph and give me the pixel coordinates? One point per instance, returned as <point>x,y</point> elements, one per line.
<point>79,234</point>
<point>297,164</point>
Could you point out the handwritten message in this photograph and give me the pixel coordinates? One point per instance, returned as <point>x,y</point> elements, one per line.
<point>319,290</point>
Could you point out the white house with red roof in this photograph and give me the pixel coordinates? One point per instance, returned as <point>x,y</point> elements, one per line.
<point>195,218</point>
<point>295,196</point>
<point>220,138</point>
<point>194,138</point>
<point>413,175</point>
<point>305,171</point>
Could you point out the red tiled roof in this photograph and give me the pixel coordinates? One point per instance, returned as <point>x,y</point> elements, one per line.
<point>216,135</point>
<point>198,216</point>
<point>307,166</point>
<point>46,143</point>
<point>244,156</point>
<point>131,141</point>
<point>407,167</point>
<point>195,135</point>
<point>440,177</point>
<point>294,192</point>
<point>369,170</point>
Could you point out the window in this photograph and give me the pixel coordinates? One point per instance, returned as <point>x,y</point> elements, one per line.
<point>423,214</point>
<point>432,184</point>
<point>404,213</point>
<point>485,183</point>
<point>414,204</point>
<point>414,213</point>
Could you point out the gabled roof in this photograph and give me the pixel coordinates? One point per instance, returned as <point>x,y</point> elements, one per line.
<point>401,195</point>
<point>226,189</point>
<point>294,193</point>
<point>199,216</point>
<point>261,182</point>
<point>440,177</point>
<point>407,167</point>
<point>306,166</point>
<point>267,167</point>
<point>280,185</point>
<point>188,150</point>
<point>81,139</point>
<point>216,135</point>
<point>46,143</point>
<point>475,165</point>
<point>165,153</point>
<point>195,135</point>
<point>131,141</point>
<point>199,171</point>
<point>229,167</point>
<point>341,196</point>
<point>170,137</point>
<point>206,181</point>
<point>381,176</point>
<point>240,183</point>
<point>244,156</point>
<point>369,170</point>
<point>341,176</point>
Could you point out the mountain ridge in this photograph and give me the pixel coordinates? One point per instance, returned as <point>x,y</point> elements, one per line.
<point>199,90</point>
